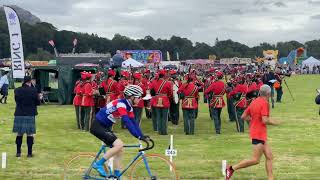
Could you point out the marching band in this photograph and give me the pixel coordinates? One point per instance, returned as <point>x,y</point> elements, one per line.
<point>165,90</point>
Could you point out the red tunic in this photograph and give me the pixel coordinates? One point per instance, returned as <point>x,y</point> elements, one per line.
<point>163,91</point>
<point>78,94</point>
<point>190,91</point>
<point>140,104</point>
<point>87,99</point>
<point>243,89</point>
<point>260,83</point>
<point>253,87</point>
<point>121,85</point>
<point>110,86</point>
<point>219,89</point>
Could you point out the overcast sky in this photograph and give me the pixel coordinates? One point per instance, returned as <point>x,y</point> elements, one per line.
<point>246,21</point>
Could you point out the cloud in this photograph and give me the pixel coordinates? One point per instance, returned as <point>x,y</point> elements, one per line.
<point>237,11</point>
<point>250,22</point>
<point>280,4</point>
<point>316,17</point>
<point>313,2</point>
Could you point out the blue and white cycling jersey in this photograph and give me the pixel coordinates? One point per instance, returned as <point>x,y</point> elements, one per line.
<point>119,108</point>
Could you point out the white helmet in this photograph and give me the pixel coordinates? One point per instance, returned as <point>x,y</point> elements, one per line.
<point>133,90</point>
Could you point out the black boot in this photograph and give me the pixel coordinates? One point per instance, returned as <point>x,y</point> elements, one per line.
<point>19,143</point>
<point>5,100</point>
<point>30,143</point>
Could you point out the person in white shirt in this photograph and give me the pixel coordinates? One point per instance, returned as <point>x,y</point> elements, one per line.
<point>4,86</point>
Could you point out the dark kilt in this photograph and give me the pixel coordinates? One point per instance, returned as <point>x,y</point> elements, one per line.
<point>4,89</point>
<point>24,125</point>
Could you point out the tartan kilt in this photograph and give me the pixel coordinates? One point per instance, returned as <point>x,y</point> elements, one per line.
<point>24,125</point>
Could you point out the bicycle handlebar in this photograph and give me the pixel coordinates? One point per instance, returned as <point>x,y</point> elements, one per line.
<point>148,145</point>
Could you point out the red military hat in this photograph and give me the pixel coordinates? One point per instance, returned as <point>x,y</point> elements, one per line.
<point>111,72</point>
<point>125,73</point>
<point>172,72</point>
<point>83,75</point>
<point>219,74</point>
<point>211,70</point>
<point>162,72</point>
<point>187,77</point>
<point>137,75</point>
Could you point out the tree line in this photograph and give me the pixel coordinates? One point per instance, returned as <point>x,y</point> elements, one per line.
<point>36,47</point>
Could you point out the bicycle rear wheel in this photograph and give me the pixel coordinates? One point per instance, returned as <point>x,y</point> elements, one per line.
<point>77,168</point>
<point>159,167</point>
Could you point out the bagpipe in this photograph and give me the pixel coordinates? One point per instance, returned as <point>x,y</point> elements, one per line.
<point>252,94</point>
<point>237,96</point>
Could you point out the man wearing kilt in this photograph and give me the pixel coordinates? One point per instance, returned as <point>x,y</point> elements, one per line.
<point>27,100</point>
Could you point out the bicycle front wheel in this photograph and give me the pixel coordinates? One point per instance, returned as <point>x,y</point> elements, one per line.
<point>153,167</point>
<point>78,167</point>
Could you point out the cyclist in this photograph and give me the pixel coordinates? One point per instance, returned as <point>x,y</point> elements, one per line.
<point>106,117</point>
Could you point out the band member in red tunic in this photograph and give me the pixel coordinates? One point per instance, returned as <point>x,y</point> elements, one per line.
<point>110,87</point>
<point>77,100</point>
<point>123,83</point>
<point>240,103</point>
<point>189,94</point>
<point>138,107</point>
<point>174,102</point>
<point>161,90</point>
<point>88,102</point>
<point>217,89</point>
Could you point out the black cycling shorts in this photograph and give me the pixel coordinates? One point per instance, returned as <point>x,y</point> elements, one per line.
<point>102,133</point>
<point>257,141</point>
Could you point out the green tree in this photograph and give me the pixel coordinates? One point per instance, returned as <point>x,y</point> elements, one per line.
<point>41,55</point>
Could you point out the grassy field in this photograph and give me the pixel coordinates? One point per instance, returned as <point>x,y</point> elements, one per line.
<point>295,142</point>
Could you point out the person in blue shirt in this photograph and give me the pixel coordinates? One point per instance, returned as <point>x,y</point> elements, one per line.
<point>4,87</point>
<point>106,117</point>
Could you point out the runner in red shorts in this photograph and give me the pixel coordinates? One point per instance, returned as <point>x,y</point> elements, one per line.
<point>258,116</point>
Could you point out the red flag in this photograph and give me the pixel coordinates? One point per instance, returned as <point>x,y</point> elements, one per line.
<point>75,41</point>
<point>51,42</point>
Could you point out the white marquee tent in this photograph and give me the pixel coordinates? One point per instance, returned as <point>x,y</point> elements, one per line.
<point>310,62</point>
<point>131,62</point>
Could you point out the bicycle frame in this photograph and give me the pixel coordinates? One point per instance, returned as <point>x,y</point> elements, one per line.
<point>103,149</point>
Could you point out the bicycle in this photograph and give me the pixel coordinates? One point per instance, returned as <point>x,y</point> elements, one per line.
<point>143,166</point>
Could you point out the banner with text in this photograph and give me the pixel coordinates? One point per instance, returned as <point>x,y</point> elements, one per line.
<point>143,56</point>
<point>16,45</point>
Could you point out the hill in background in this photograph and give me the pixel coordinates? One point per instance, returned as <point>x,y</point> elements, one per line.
<point>24,15</point>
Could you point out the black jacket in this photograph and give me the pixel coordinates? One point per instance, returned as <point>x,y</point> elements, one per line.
<point>27,100</point>
<point>268,77</point>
